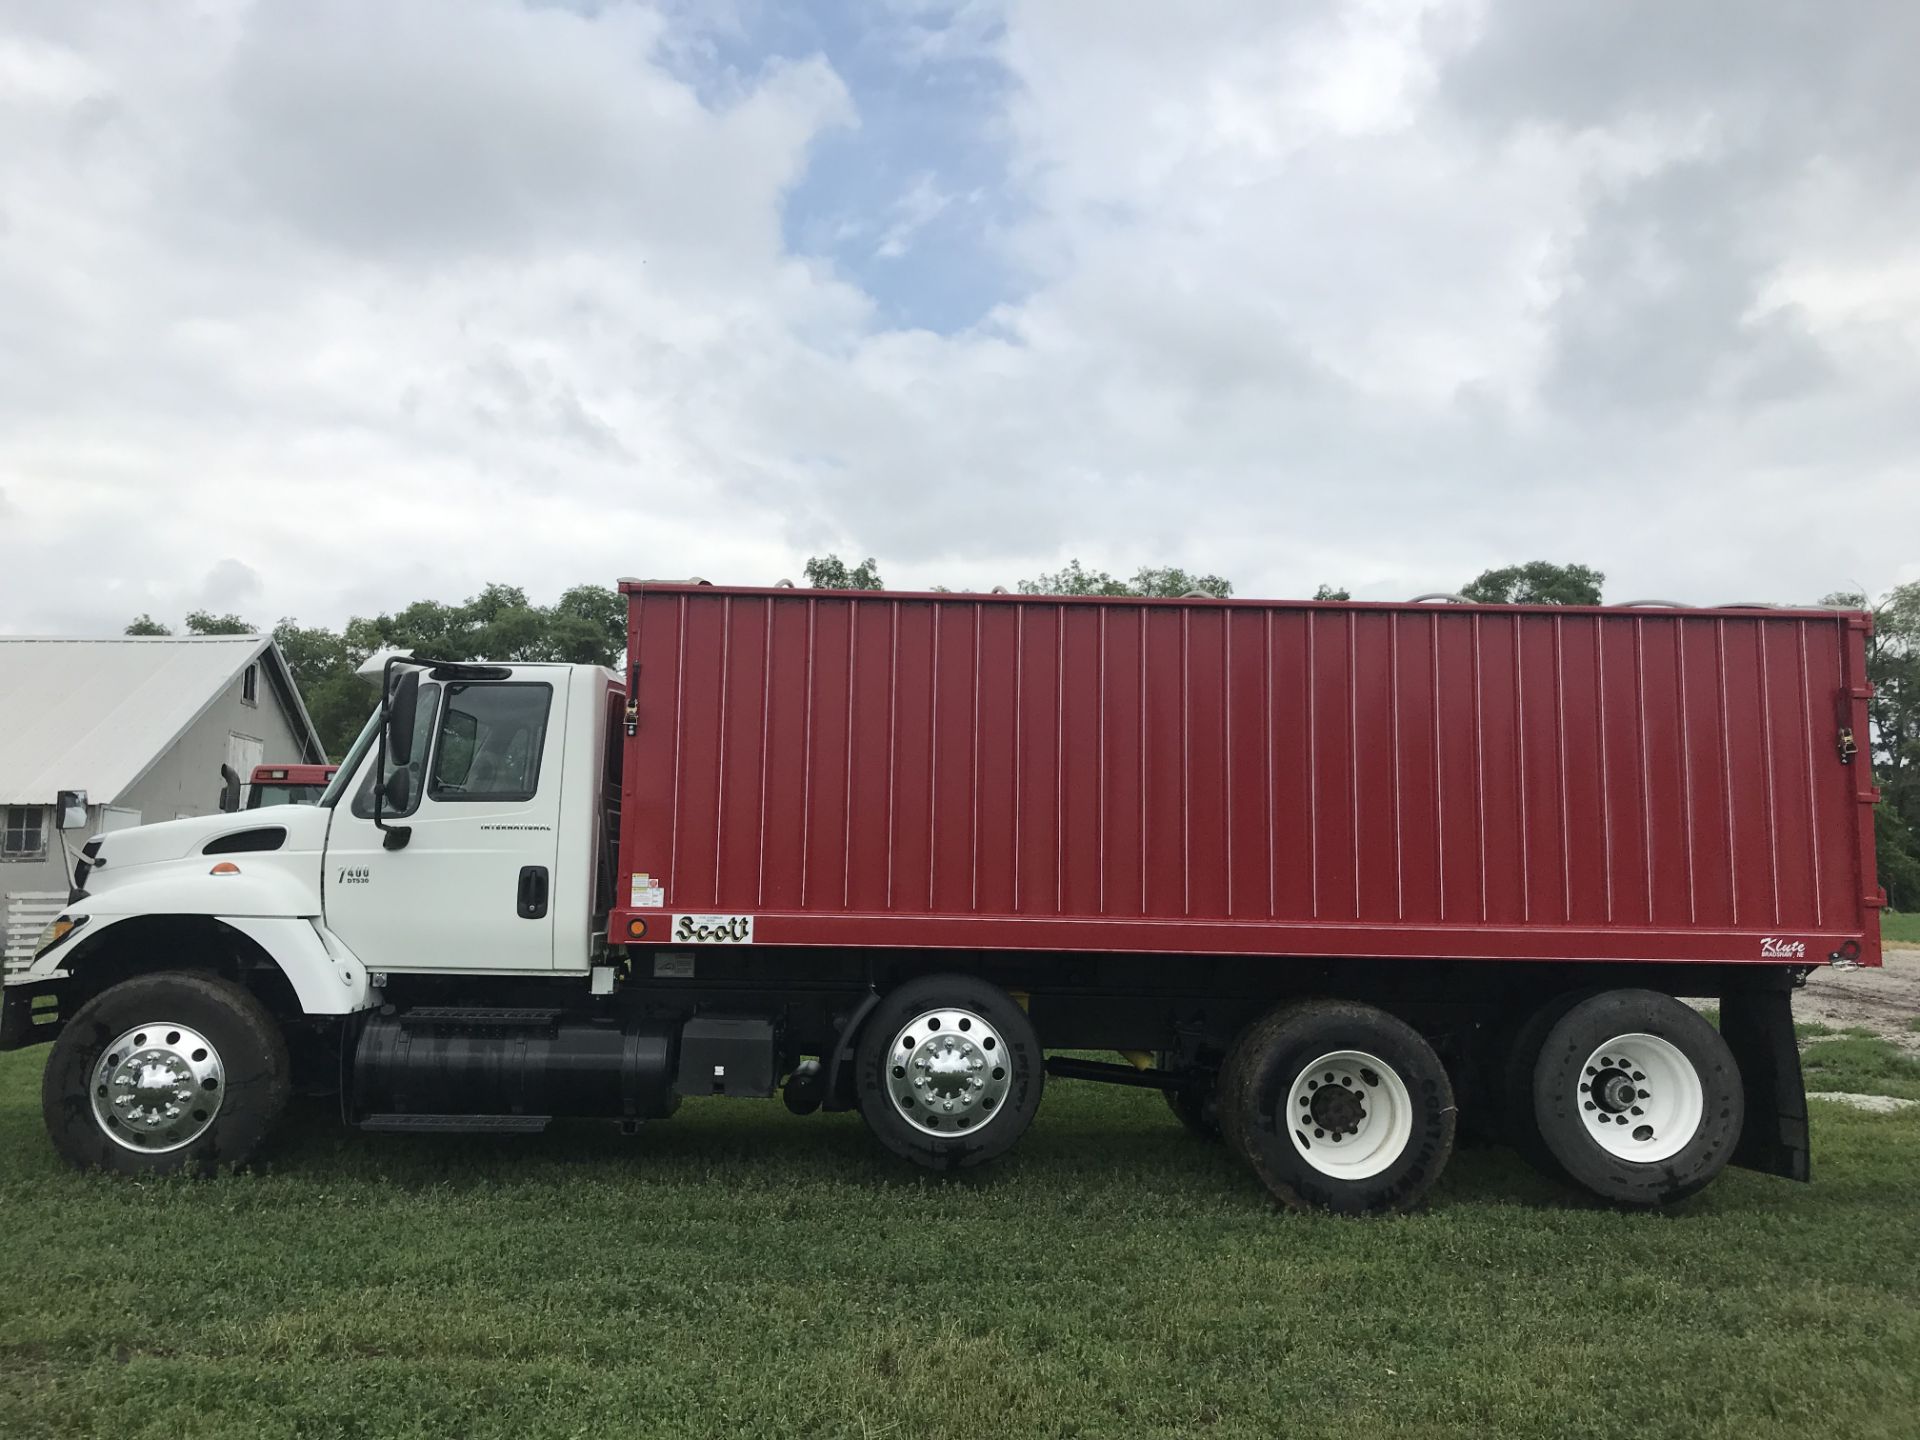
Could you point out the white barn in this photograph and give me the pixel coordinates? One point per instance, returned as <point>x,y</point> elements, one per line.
<point>142,725</point>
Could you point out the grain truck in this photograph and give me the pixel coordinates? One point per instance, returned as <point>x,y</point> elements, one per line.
<point>1339,879</point>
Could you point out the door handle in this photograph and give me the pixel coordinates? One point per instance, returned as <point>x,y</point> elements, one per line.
<point>533,892</point>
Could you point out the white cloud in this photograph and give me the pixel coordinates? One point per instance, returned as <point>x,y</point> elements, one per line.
<point>368,302</point>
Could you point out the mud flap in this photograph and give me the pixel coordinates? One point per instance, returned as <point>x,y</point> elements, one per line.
<point>1757,1024</point>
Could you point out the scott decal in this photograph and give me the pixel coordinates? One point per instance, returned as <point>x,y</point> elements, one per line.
<point>713,929</point>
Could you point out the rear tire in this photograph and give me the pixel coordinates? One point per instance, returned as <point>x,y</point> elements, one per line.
<point>1517,1122</point>
<point>165,1073</point>
<point>1372,1139</point>
<point>1637,1098</point>
<point>948,1072</point>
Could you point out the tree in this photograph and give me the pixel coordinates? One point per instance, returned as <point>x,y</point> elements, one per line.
<point>1164,581</point>
<point>499,623</point>
<point>1538,582</point>
<point>147,625</point>
<point>336,698</point>
<point>201,622</point>
<point>830,572</point>
<point>588,626</point>
<point>1327,592</point>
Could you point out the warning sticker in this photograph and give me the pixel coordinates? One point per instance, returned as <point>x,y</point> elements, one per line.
<point>649,891</point>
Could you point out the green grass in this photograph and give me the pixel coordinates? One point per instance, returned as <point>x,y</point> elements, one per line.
<point>1817,1030</point>
<point>1861,1063</point>
<point>738,1271</point>
<point>1900,927</point>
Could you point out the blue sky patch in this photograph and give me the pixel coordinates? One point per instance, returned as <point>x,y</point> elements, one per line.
<point>907,203</point>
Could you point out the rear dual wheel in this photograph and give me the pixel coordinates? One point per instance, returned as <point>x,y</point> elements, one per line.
<point>1627,1094</point>
<point>1338,1106</point>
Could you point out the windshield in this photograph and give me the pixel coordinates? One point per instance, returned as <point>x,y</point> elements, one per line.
<point>363,743</point>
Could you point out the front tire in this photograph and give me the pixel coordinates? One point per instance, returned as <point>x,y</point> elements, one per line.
<point>948,1072</point>
<point>165,1073</point>
<point>1637,1098</point>
<point>1341,1107</point>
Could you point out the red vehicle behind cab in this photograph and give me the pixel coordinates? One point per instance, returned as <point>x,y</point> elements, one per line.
<point>288,784</point>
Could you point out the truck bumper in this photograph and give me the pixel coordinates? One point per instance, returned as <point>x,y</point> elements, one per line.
<point>29,1014</point>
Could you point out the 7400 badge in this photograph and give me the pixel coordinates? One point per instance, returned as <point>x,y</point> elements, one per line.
<point>713,929</point>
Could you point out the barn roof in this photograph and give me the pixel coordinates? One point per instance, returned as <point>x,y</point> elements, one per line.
<point>96,715</point>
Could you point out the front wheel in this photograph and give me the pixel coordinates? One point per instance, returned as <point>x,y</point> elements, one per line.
<point>163,1073</point>
<point>1637,1098</point>
<point>949,1072</point>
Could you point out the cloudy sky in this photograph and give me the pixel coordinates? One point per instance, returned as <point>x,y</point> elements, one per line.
<point>313,309</point>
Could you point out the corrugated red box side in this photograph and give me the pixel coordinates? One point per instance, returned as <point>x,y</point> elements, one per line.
<point>1015,772</point>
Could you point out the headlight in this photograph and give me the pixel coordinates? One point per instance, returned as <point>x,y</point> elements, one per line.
<point>55,933</point>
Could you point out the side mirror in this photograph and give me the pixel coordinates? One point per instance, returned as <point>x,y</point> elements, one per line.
<point>229,790</point>
<point>401,705</point>
<point>72,805</point>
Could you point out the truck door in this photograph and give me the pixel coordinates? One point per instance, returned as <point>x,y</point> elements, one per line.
<point>471,889</point>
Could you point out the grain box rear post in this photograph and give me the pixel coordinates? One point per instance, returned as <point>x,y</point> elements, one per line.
<point>1207,777</point>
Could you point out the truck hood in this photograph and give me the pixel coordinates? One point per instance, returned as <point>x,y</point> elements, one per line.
<point>306,827</point>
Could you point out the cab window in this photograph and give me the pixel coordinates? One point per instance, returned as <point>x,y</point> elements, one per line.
<point>491,737</point>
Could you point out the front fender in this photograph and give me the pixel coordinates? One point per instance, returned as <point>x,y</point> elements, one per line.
<point>327,978</point>
<point>324,973</point>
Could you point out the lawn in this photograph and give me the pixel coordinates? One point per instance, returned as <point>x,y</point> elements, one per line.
<point>738,1271</point>
<point>1900,927</point>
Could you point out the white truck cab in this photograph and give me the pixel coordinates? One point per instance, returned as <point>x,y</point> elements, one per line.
<point>499,794</point>
<point>502,810</point>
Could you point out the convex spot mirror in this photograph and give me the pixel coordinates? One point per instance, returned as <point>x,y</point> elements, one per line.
<point>401,705</point>
<point>398,790</point>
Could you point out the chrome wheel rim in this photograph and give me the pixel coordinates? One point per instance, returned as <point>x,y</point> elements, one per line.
<point>948,1072</point>
<point>1641,1098</point>
<point>158,1087</point>
<point>1350,1114</point>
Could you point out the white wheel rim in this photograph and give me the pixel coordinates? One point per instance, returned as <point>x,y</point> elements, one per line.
<point>1350,1115</point>
<point>948,1072</point>
<point>1640,1098</point>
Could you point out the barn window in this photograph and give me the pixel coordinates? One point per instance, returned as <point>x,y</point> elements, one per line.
<point>250,685</point>
<point>25,835</point>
